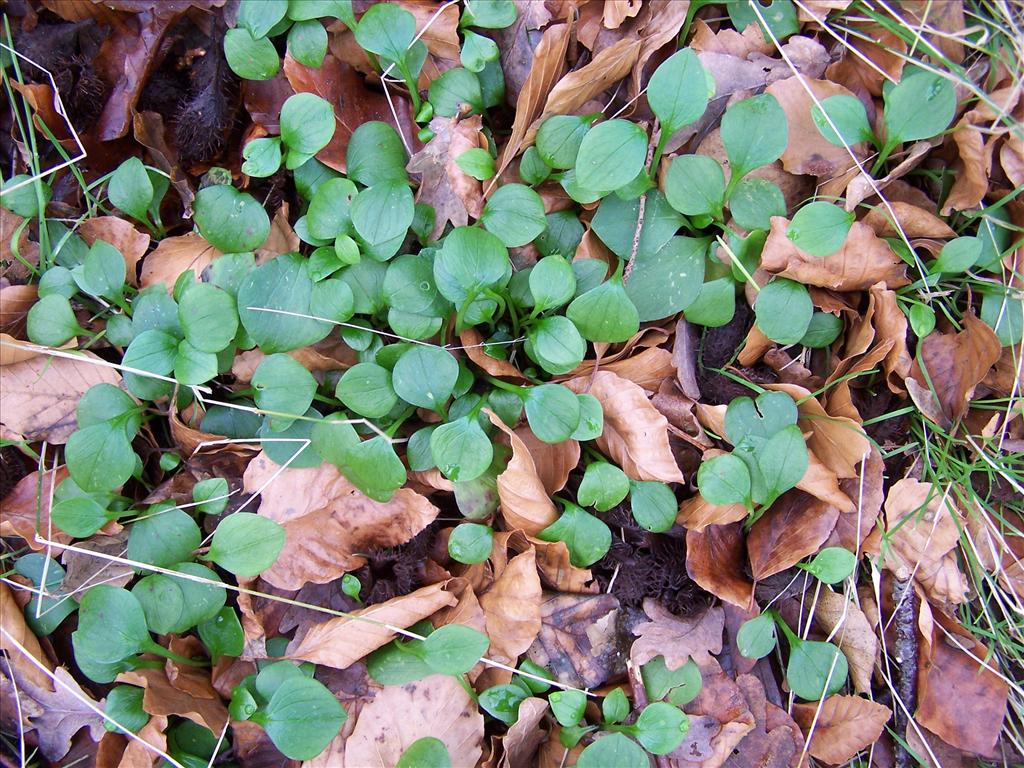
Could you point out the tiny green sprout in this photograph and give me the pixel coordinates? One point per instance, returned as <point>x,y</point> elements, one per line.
<point>169,461</point>
<point>351,586</point>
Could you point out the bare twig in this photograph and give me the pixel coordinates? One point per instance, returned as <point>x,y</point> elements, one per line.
<point>639,221</point>
<point>905,651</point>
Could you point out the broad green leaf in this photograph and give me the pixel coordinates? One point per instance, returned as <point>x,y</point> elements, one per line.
<point>681,685</point>
<point>615,708</point>
<point>246,544</point>
<point>754,133</point>
<point>100,457</point>
<point>105,402</point>
<point>532,169</point>
<point>849,118</point>
<point>668,281</point>
<point>373,467</point>
<point>1004,313</point>
<point>222,635</point>
<point>552,411</point>
<point>922,105</point>
<point>756,637</point>
<point>613,751</point>
<point>261,16</point>
<point>130,189</point>
<point>559,138</point>
<point>515,214</point>
<point>470,260</point>
<point>831,565</point>
<point>301,718</point>
<point>562,236</point>
<point>210,495</point>
<point>470,543</point>
<point>616,220</point>
<point>162,602</point>
<point>375,155</point>
<point>661,728</point>
<point>103,271</point>
<point>366,389</point>
<point>52,322</point>
<point>783,310</point>
<point>816,670</point>
<point>250,58</point>
<point>111,625</point>
<point>591,424</point>
<point>476,51</point>
<point>502,702</point>
<point>715,304</point>
<point>51,610</point>
<point>229,220</point>
<point>568,706</point>
<point>461,449</point>
<point>307,42</point>
<point>476,162</point>
<point>193,366</point>
<point>386,30</point>
<point>155,352</point>
<point>428,752</point>
<point>653,504</point>
<point>202,598</point>
<point>164,537</point>
<point>208,316</point>
<point>678,91</point>
<point>605,313</point>
<point>957,255</point>
<point>783,460</point>
<point>382,214</point>
<point>555,343</point>
<point>80,516</point>
<point>552,283</point>
<point>759,419</point>
<point>284,388</point>
<point>328,214</point>
<point>695,185</point>
<point>754,202</point>
<point>123,705</point>
<point>488,14</point>
<point>819,228</point>
<point>425,376</point>
<point>409,286</point>
<point>307,125</point>
<point>283,286</point>
<point>587,537</point>
<point>454,649</point>
<point>779,16</point>
<point>24,201</point>
<point>724,480</point>
<point>603,486</point>
<point>611,155</point>
<point>452,89</point>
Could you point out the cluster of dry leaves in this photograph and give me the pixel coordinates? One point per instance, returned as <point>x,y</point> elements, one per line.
<point>661,406</point>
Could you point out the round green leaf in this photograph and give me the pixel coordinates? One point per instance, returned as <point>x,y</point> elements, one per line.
<point>613,751</point>
<point>386,30</point>
<point>461,449</point>
<point>425,376</point>
<point>250,58</point>
<point>586,537</point>
<point>816,670</point>
<point>605,313</point>
<point>262,157</point>
<point>724,480</point>
<point>922,105</point>
<point>477,163</point>
<point>130,188</point>
<point>611,155</point>
<point>382,214</point>
<point>284,286</point>
<point>553,412</point>
<point>754,202</point>
<point>375,154</point>
<point>823,330</point>
<point>222,635</point>
<point>284,388</point>
<point>756,637</point>
<point>958,255</point>
<point>208,316</point>
<point>328,212</point>
<point>603,486</point>
<point>754,133</point>
<point>783,310</point>
<point>668,281</point>
<point>515,214</point>
<point>470,260</point>
<point>849,117</point>
<point>100,457</point>
<point>166,537</point>
<point>202,599</point>
<point>124,706</point>
<point>661,727</point>
<point>819,228</point>
<point>555,344</point>
<point>427,752</point>
<point>552,282</point>
<point>559,138</point>
<point>231,221</point>
<point>678,91</point>
<point>307,42</point>
<point>162,601</point>
<point>246,544</point>
<point>302,717</point>
<point>695,185</point>
<point>591,424</point>
<point>455,87</point>
<point>454,649</point>
<point>52,322</point>
<point>307,124</point>
<point>654,505</point>
<point>783,460</point>
<point>111,625</point>
<point>832,565</point>
<point>80,516</point>
<point>470,543</point>
<point>366,389</point>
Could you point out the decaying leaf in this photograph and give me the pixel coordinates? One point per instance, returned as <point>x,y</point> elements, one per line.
<point>843,727</point>
<point>30,496</point>
<point>794,527</point>
<point>850,629</point>
<point>678,639</point>
<point>122,235</point>
<point>578,639</point>
<point>173,256</point>
<point>328,522</point>
<point>525,503</point>
<point>512,608</point>
<point>715,559</point>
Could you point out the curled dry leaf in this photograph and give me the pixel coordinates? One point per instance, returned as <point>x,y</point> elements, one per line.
<point>122,235</point>
<point>912,219</point>
<point>202,705</point>
<point>398,715</point>
<point>850,629</point>
<point>716,559</point>
<point>844,726</point>
<point>512,608</point>
<point>647,368</point>
<point>578,640</point>
<point>867,492</point>
<point>174,255</point>
<point>472,341</point>
<point>677,638</point>
<point>40,395</point>
<point>342,641</point>
<point>328,521</point>
<point>116,749</point>
<point>697,513</point>
<point>864,186</point>
<point>953,364</point>
<point>15,302</point>
<point>807,151</point>
<point>525,503</point>
<point>554,461</point>
<point>862,261</point>
<point>635,433</point>
<point>796,526</point>
<point>520,743</point>
<point>454,194</point>
<point>30,496</point>
<point>13,622</point>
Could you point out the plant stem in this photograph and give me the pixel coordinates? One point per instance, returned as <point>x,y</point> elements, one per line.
<point>521,391</point>
<point>159,650</point>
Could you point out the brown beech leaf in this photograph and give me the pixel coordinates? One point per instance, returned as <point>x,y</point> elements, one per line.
<point>715,559</point>
<point>15,302</point>
<point>696,513</point>
<point>863,260</point>
<point>912,219</point>
<point>13,622</point>
<point>867,492</point>
<point>162,698</point>
<point>635,433</point>
<point>173,256</point>
<point>512,608</point>
<point>844,726</point>
<point>354,104</point>
<point>807,151</point>
<point>961,699</point>
<point>40,395</point>
<point>525,503</point>
<point>796,526</point>
<point>578,639</point>
<point>677,638</point>
<point>18,511</point>
<point>398,715</point>
<point>617,11</point>
<point>850,629</point>
<point>775,739</point>
<point>720,719</point>
<point>472,343</point>
<point>455,195</point>
<point>328,521</point>
<point>122,235</point>
<point>547,67</point>
<point>554,462</point>
<point>578,87</point>
<point>520,743</point>
<point>342,641</point>
<point>955,363</point>
<point>648,368</point>
<point>56,713</point>
<point>555,566</point>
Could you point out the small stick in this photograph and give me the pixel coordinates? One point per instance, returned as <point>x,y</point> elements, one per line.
<point>905,651</point>
<point>639,222</point>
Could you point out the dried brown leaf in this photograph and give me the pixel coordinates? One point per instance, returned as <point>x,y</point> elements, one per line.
<point>30,496</point>
<point>525,503</point>
<point>122,235</point>
<point>13,622</point>
<point>716,559</point>
<point>578,639</point>
<point>844,726</point>
<point>554,461</point>
<point>795,527</point>
<point>173,256</point>
<point>512,608</point>
<point>850,629</point>
<point>676,638</point>
<point>578,87</point>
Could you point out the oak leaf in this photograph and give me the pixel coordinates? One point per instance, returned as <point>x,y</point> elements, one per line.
<point>677,638</point>
<point>635,433</point>
<point>844,726</point>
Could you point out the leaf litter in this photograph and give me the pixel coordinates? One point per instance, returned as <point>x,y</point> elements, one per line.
<point>433,493</point>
